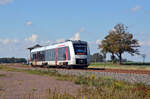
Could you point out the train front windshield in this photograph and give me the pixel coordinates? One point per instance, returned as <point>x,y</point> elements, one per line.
<point>80,49</point>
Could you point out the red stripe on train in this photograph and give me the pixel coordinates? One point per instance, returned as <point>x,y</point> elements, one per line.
<point>66,54</point>
<point>61,45</point>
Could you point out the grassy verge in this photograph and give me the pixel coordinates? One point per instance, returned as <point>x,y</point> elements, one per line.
<point>117,66</point>
<point>91,87</point>
<point>2,75</point>
<point>6,68</point>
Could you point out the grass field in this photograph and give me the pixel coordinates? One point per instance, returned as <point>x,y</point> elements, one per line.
<point>91,87</point>
<point>134,66</point>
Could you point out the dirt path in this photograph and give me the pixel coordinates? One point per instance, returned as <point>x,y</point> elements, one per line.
<point>18,84</point>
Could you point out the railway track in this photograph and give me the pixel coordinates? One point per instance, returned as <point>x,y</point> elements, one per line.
<point>91,69</point>
<point>113,70</point>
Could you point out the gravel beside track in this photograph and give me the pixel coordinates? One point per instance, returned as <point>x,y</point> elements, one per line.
<point>128,77</point>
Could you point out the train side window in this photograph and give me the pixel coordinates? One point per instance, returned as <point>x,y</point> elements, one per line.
<point>38,56</point>
<point>59,54</point>
<point>33,56</point>
<point>62,53</point>
<point>53,54</point>
<point>46,55</point>
<point>43,56</point>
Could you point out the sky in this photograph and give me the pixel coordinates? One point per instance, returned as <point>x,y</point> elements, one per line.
<point>24,23</point>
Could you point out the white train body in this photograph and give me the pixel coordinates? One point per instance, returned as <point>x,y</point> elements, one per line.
<point>69,53</point>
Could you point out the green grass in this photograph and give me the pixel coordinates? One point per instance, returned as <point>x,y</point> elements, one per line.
<point>2,75</point>
<point>91,87</point>
<point>6,68</point>
<point>117,66</point>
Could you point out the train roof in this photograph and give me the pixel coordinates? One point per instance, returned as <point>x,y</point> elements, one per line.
<point>73,41</point>
<point>36,46</point>
<point>55,45</point>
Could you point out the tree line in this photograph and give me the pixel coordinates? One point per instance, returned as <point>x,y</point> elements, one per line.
<point>99,57</point>
<point>13,60</point>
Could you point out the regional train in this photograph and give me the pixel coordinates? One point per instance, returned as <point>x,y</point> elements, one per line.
<point>68,54</point>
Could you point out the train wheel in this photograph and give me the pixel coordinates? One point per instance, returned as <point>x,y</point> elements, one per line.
<point>32,65</point>
<point>70,67</point>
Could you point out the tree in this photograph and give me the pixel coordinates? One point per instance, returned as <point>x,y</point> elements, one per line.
<point>105,49</point>
<point>119,41</point>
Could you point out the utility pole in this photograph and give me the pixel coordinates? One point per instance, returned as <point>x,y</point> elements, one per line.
<point>143,56</point>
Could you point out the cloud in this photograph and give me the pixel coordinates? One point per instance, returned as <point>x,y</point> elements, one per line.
<point>142,33</point>
<point>4,41</point>
<point>28,23</point>
<point>77,36</point>
<point>44,42</point>
<point>5,2</point>
<point>136,8</point>
<point>98,41</point>
<point>15,41</point>
<point>114,30</point>
<point>7,41</point>
<point>32,39</point>
<point>60,40</point>
<point>145,43</point>
<point>82,29</point>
